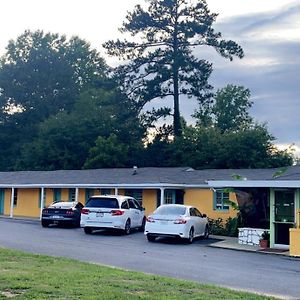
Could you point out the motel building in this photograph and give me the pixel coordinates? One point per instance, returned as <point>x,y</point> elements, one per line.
<point>272,202</point>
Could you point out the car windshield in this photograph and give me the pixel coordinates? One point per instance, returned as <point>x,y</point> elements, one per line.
<point>62,205</point>
<point>170,210</point>
<point>103,202</point>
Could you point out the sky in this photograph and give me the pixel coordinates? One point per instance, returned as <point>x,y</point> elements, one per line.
<point>268,31</point>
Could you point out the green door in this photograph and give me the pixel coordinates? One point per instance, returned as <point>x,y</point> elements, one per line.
<point>1,201</point>
<point>284,215</point>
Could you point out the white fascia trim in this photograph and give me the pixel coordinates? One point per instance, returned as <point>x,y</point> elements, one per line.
<point>141,186</point>
<point>254,183</point>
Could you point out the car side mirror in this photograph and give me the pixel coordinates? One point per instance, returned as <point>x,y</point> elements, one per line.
<point>204,215</point>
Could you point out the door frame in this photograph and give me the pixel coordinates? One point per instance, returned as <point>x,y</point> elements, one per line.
<point>2,198</point>
<point>272,214</point>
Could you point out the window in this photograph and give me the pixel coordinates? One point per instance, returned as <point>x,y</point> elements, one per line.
<point>105,191</point>
<point>170,197</point>
<point>192,212</point>
<point>56,195</point>
<point>170,210</point>
<point>88,194</point>
<point>132,204</point>
<point>220,200</point>
<point>103,203</point>
<point>198,213</point>
<point>125,205</point>
<point>72,193</point>
<point>44,198</point>
<point>15,197</point>
<point>136,194</point>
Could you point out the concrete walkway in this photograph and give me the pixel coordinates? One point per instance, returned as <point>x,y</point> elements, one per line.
<point>227,242</point>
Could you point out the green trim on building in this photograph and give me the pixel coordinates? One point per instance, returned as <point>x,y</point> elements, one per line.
<point>56,195</point>
<point>2,192</point>
<point>272,217</point>
<point>72,192</point>
<point>88,194</point>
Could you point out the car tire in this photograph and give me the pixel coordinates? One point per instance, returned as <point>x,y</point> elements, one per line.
<point>206,232</point>
<point>45,223</point>
<point>88,230</point>
<point>190,239</point>
<point>151,238</point>
<point>127,228</point>
<point>142,228</point>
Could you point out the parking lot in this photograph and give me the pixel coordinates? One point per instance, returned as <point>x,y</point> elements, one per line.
<point>269,274</point>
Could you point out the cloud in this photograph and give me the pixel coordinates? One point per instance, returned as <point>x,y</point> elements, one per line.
<point>270,69</point>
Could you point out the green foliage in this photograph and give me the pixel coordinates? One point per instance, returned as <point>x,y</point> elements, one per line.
<point>162,62</point>
<point>230,228</point>
<point>265,235</point>
<point>107,153</point>
<point>65,140</point>
<point>206,147</point>
<point>229,110</point>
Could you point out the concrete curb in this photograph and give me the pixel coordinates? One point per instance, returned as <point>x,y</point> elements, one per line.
<point>20,219</point>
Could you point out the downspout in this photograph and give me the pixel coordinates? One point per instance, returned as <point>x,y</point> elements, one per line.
<point>42,201</point>
<point>11,215</point>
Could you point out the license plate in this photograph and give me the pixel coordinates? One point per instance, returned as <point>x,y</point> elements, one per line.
<point>163,222</point>
<point>99,214</point>
<point>56,217</point>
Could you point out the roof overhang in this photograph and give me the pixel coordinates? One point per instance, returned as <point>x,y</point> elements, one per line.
<point>254,183</point>
<point>109,185</point>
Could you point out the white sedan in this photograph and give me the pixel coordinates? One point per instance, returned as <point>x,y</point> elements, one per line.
<point>175,220</point>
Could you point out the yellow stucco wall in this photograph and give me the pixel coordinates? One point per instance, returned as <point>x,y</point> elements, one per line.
<point>28,203</point>
<point>149,201</point>
<point>203,199</point>
<point>7,195</point>
<point>295,241</point>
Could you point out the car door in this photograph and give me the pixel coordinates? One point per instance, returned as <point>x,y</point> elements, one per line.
<point>134,213</point>
<point>195,221</point>
<point>140,212</point>
<point>201,221</point>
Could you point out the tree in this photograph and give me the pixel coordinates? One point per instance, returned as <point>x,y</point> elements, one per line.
<point>207,147</point>
<point>64,140</point>
<point>107,153</point>
<point>41,74</point>
<point>162,63</point>
<point>229,109</point>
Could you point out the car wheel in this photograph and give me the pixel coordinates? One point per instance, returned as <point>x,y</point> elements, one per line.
<point>151,238</point>
<point>191,236</point>
<point>45,223</point>
<point>206,232</point>
<point>142,228</point>
<point>88,230</point>
<point>127,228</point>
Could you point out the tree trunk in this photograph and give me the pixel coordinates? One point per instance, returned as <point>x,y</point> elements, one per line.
<point>176,117</point>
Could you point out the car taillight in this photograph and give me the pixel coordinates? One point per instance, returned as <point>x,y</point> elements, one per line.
<point>45,211</point>
<point>150,220</point>
<point>70,212</point>
<point>117,212</point>
<point>180,221</point>
<point>85,211</point>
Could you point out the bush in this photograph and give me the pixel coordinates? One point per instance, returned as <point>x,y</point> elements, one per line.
<point>217,226</point>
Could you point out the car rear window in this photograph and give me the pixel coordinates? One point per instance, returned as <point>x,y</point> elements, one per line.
<point>62,205</point>
<point>103,202</point>
<point>170,210</point>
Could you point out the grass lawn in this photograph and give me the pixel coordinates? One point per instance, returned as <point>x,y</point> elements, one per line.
<point>28,276</point>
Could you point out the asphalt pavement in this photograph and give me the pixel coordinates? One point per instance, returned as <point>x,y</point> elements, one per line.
<point>265,274</point>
